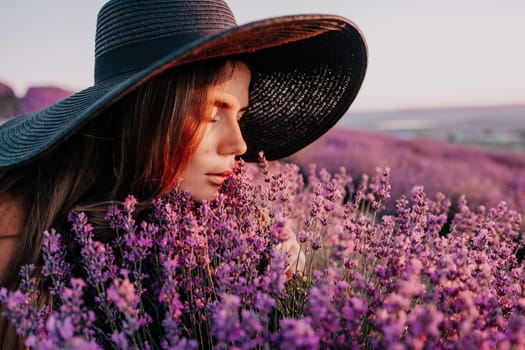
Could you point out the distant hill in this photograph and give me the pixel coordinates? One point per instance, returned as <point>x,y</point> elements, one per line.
<point>36,98</point>
<point>8,101</point>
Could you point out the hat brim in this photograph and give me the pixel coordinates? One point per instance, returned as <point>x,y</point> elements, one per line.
<point>309,69</point>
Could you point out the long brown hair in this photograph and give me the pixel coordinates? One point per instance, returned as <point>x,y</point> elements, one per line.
<point>138,146</point>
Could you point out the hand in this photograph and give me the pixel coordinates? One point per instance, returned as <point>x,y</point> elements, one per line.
<point>295,258</point>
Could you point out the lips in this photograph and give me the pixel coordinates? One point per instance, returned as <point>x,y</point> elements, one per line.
<point>218,178</point>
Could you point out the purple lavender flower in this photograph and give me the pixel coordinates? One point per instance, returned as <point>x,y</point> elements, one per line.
<point>424,321</point>
<point>211,274</point>
<point>235,327</point>
<point>98,258</point>
<point>122,293</point>
<point>297,334</point>
<point>55,265</point>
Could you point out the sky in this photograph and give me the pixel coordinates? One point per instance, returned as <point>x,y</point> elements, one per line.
<point>422,54</point>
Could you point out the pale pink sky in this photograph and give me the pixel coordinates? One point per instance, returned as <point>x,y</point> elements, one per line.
<point>422,53</point>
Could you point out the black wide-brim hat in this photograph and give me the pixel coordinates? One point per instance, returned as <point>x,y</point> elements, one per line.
<point>309,69</point>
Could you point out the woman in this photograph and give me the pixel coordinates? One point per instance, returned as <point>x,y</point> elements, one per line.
<point>180,91</point>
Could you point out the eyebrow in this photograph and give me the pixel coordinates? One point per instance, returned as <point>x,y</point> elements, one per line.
<point>227,104</point>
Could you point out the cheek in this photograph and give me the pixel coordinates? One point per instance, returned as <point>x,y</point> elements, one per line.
<point>205,146</point>
<point>197,162</point>
<point>198,158</point>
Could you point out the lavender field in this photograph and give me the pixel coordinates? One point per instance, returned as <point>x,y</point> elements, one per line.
<point>485,177</point>
<point>213,275</point>
<point>360,241</point>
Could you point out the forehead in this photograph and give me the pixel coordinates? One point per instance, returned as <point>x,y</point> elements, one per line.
<point>233,70</point>
<point>229,84</point>
<point>234,82</point>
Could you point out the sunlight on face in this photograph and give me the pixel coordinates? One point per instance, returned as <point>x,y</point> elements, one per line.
<point>222,141</point>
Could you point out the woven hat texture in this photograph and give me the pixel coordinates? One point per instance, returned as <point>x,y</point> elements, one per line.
<point>309,69</point>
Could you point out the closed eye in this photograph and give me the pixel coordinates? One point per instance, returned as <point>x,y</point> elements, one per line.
<point>219,105</point>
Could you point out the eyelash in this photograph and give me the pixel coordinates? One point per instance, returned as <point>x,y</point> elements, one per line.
<point>215,115</point>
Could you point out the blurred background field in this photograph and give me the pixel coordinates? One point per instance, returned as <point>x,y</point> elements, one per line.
<point>478,151</point>
<point>485,176</point>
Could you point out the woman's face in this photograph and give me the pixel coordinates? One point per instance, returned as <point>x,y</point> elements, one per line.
<point>214,158</point>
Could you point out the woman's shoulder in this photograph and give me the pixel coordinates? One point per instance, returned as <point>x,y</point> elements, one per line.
<point>12,215</point>
<point>11,225</point>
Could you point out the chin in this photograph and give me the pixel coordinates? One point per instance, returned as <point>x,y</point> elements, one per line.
<point>200,196</point>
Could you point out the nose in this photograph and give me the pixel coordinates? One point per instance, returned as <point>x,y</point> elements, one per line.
<point>233,142</point>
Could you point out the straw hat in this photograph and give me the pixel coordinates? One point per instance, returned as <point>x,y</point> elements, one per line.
<point>309,69</point>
